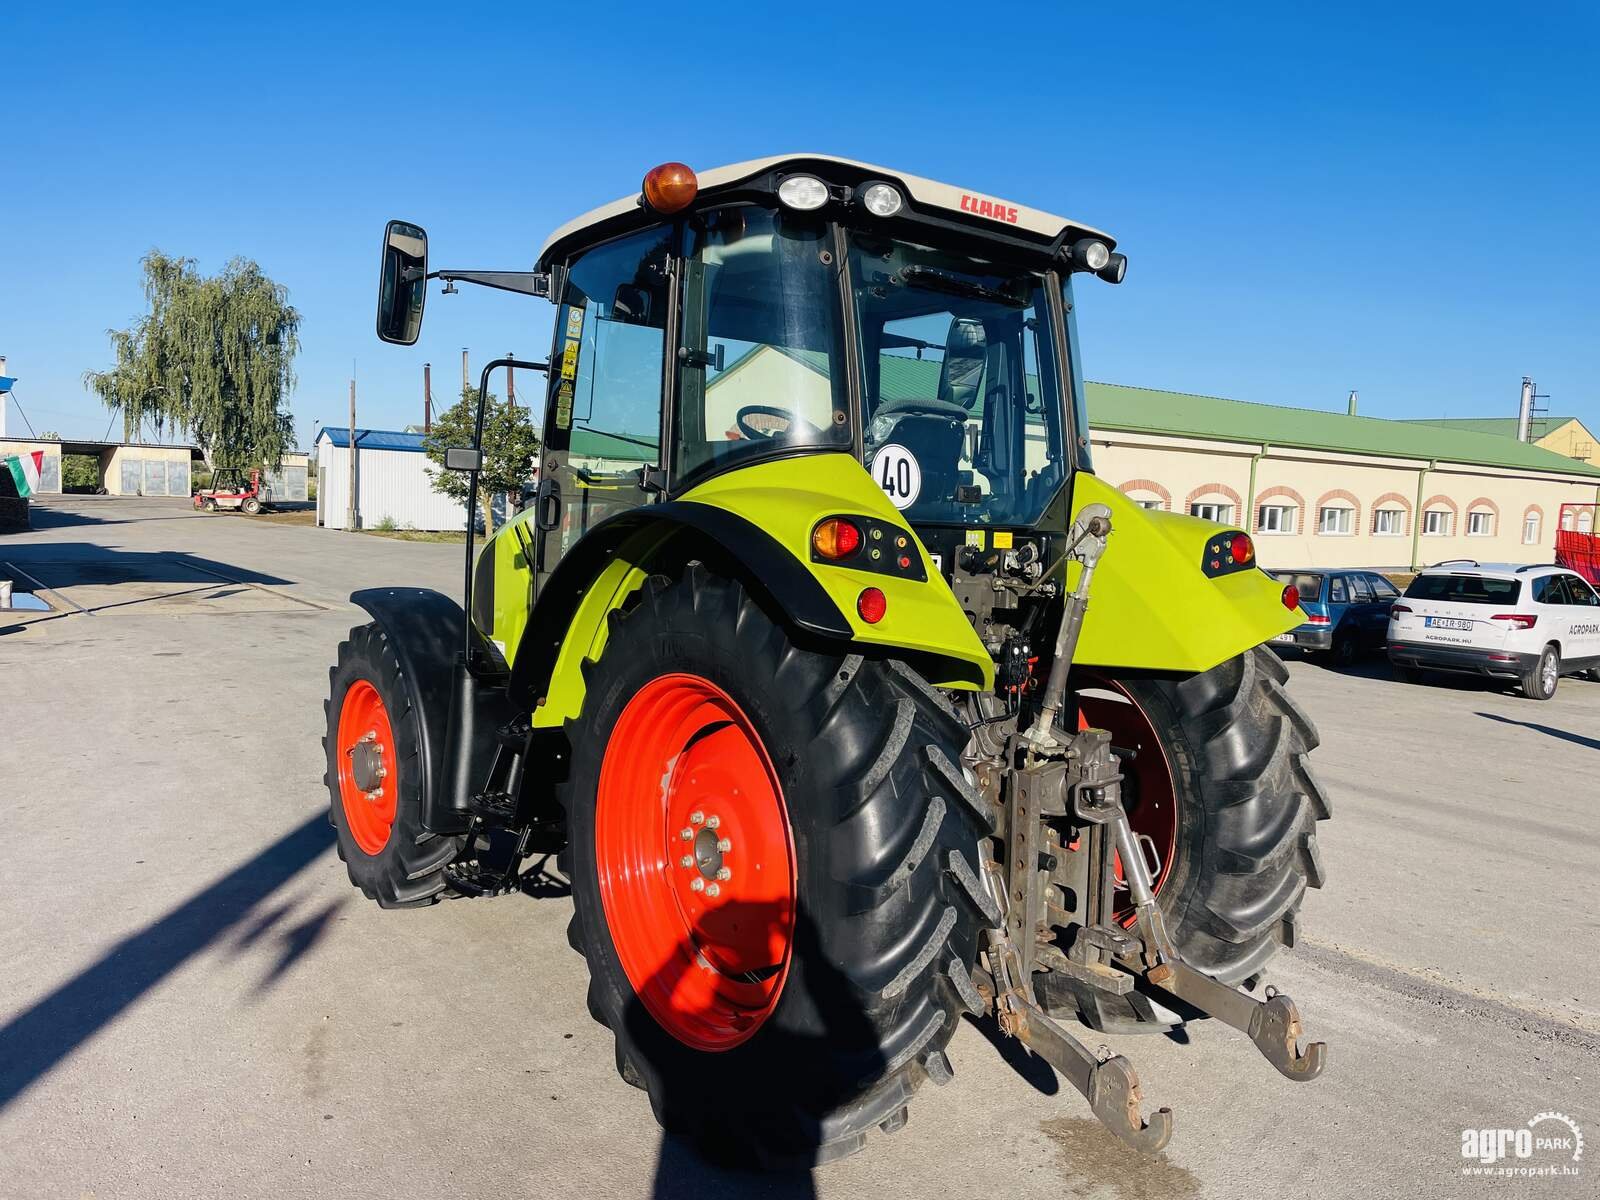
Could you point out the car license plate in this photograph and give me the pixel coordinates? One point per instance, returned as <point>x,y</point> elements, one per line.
<point>1446,623</point>
<point>1285,637</point>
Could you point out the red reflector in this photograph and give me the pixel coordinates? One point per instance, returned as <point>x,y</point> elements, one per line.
<point>871,604</point>
<point>1291,597</point>
<point>1503,657</point>
<point>836,538</point>
<point>1241,548</point>
<point>1518,620</point>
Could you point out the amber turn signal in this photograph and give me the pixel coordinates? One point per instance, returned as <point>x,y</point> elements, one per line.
<point>670,187</point>
<point>835,538</point>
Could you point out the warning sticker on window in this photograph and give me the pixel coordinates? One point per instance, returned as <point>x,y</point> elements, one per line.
<point>898,474</point>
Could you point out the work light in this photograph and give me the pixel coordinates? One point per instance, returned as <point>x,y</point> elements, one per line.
<point>803,192</point>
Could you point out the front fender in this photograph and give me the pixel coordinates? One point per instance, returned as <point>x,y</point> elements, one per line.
<point>1151,606</point>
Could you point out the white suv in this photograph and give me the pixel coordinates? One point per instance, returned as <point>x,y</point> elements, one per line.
<point>1534,624</point>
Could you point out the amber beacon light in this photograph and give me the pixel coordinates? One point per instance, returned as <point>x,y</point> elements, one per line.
<point>670,187</point>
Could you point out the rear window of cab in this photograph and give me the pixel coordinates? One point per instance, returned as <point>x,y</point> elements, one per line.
<point>1464,589</point>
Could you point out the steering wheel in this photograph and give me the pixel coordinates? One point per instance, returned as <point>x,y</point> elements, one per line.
<point>796,423</point>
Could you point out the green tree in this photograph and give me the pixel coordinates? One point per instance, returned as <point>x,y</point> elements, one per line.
<point>510,446</point>
<point>79,472</point>
<point>213,358</point>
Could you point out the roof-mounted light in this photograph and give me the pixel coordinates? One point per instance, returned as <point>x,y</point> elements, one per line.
<point>882,199</point>
<point>670,188</point>
<point>805,193</point>
<point>1090,254</point>
<point>1116,270</point>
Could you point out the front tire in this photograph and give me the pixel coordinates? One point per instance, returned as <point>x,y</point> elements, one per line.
<point>1539,681</point>
<point>779,1021</point>
<point>251,506</point>
<point>375,778</point>
<point>1228,748</point>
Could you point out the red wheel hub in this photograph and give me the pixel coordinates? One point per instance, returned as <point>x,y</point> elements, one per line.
<point>368,776</point>
<point>695,861</point>
<point>1148,791</point>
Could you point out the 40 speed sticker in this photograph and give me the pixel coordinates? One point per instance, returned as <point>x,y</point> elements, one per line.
<point>898,473</point>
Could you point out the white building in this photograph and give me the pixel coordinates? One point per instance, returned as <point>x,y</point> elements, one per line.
<point>394,482</point>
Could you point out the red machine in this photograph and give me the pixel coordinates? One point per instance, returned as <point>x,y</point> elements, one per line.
<point>233,490</point>
<point>1578,540</point>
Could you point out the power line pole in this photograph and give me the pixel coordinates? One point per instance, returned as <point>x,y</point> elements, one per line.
<point>511,383</point>
<point>350,516</point>
<point>466,380</point>
<point>427,397</point>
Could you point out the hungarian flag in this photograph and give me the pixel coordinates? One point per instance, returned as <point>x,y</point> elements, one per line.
<point>25,470</point>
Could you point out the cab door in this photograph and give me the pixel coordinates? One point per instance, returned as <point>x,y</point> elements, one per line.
<point>603,416</point>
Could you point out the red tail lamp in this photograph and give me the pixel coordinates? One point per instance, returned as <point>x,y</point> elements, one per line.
<point>836,538</point>
<point>1241,548</point>
<point>871,604</point>
<point>1291,597</point>
<point>670,187</point>
<point>1517,620</point>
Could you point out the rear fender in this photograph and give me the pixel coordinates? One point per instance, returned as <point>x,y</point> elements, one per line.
<point>1151,605</point>
<point>755,525</point>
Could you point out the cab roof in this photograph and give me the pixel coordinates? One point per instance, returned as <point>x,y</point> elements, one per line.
<point>978,209</point>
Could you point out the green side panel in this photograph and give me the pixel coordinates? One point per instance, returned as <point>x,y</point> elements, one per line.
<point>586,635</point>
<point>787,497</point>
<point>513,582</point>
<point>1151,606</point>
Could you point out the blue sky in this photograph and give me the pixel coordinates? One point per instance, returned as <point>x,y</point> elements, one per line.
<point>1395,198</point>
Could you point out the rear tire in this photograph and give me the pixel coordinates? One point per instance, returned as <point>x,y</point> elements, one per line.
<point>885,895</point>
<point>388,854</point>
<point>1539,681</point>
<point>1344,650</point>
<point>1246,845</point>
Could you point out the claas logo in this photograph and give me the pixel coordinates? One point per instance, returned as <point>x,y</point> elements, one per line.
<point>997,210</point>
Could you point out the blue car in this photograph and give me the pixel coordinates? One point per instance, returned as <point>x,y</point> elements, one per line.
<point>1347,612</point>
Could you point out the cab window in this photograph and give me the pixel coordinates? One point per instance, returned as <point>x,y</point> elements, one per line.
<point>604,422</point>
<point>761,365</point>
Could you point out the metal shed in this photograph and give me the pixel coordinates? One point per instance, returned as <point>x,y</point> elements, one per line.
<point>394,482</point>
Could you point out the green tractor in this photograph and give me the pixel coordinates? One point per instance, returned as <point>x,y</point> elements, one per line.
<point>790,658</point>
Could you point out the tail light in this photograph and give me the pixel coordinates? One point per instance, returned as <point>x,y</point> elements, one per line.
<point>871,604</point>
<point>836,538</point>
<point>1405,608</point>
<point>1242,549</point>
<point>1318,619</point>
<point>1518,620</point>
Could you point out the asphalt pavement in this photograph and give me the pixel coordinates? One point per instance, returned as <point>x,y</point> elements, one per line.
<point>194,1002</point>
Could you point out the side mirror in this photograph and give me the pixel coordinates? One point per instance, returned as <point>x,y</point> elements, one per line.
<point>402,283</point>
<point>463,458</point>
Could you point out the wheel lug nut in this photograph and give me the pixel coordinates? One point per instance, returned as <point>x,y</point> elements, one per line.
<point>712,889</point>
<point>697,817</point>
<point>686,833</point>
<point>724,844</point>
<point>724,874</point>
<point>686,861</point>
<point>713,822</point>
<point>699,885</point>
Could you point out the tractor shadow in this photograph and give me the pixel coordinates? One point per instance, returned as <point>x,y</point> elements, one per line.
<point>814,1051</point>
<point>37,1039</point>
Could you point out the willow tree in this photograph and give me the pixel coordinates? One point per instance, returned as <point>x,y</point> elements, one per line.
<point>213,358</point>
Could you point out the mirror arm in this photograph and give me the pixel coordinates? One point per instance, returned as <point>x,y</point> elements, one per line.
<point>528,283</point>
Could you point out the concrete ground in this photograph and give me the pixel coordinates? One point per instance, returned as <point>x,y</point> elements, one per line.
<point>193,1002</point>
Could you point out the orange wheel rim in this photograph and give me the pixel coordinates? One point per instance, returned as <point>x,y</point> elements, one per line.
<point>368,777</point>
<point>1148,790</point>
<point>695,861</point>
